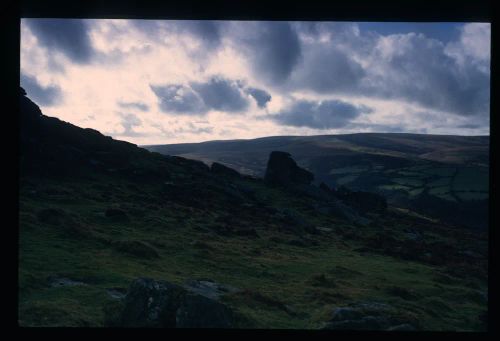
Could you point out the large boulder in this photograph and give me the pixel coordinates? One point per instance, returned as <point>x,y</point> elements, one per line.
<point>151,303</point>
<point>198,311</point>
<point>160,304</point>
<point>283,170</point>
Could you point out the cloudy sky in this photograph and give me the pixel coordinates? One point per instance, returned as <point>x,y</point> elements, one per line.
<point>154,82</point>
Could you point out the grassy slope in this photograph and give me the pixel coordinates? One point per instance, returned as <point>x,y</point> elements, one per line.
<point>175,210</point>
<point>78,248</point>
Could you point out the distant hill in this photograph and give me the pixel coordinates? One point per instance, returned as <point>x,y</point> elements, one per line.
<point>442,175</point>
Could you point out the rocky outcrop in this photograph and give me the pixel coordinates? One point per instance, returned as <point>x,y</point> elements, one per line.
<point>283,170</point>
<point>160,304</point>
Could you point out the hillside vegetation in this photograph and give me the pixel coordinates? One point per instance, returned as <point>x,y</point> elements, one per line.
<point>446,177</point>
<point>96,214</point>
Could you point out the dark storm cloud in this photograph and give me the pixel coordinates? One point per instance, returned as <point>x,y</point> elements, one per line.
<point>319,115</point>
<point>134,105</point>
<point>42,95</point>
<point>218,93</point>
<point>339,58</point>
<point>328,69</point>
<point>206,30</point>
<point>421,72</point>
<point>69,36</point>
<point>221,94</point>
<point>272,48</point>
<point>179,99</point>
<point>260,96</point>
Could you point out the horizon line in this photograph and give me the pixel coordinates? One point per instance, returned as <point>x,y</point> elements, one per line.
<point>275,136</point>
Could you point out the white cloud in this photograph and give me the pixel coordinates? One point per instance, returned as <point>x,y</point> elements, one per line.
<point>409,80</point>
<point>473,46</point>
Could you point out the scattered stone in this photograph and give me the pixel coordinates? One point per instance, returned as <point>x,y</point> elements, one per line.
<point>367,316</point>
<point>151,303</point>
<point>209,288</point>
<point>414,236</point>
<point>56,281</point>
<point>405,327</point>
<point>117,293</point>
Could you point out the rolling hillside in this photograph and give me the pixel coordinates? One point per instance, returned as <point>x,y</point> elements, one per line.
<point>440,175</point>
<point>111,235</point>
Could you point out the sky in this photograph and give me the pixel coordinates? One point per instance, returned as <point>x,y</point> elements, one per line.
<point>167,81</point>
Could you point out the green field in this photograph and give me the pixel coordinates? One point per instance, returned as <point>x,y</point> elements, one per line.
<point>348,170</point>
<point>346,179</point>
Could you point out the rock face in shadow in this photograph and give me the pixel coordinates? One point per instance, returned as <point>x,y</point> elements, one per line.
<point>282,170</point>
<point>218,168</point>
<point>160,304</point>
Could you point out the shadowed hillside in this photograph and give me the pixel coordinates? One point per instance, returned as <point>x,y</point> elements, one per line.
<point>112,235</point>
<point>444,176</point>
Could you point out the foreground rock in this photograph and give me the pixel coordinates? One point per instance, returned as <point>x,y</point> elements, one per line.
<point>283,170</point>
<point>369,316</point>
<point>160,304</point>
<point>209,288</point>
